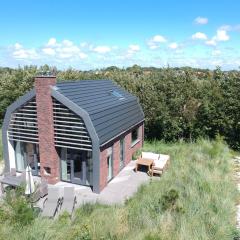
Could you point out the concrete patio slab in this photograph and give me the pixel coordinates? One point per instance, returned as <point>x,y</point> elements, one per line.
<point>121,188</point>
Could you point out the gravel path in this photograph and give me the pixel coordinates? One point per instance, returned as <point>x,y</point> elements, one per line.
<point>237,167</point>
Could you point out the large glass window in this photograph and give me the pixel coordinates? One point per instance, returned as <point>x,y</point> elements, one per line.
<point>27,153</point>
<point>89,168</point>
<point>19,155</point>
<point>65,165</point>
<point>135,135</point>
<point>121,153</point>
<point>110,163</point>
<point>76,166</point>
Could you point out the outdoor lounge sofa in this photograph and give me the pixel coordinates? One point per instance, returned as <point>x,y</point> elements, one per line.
<point>69,200</point>
<point>51,203</point>
<point>161,164</point>
<point>12,180</point>
<point>11,173</point>
<point>160,161</point>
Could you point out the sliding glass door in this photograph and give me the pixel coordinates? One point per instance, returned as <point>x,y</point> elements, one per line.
<point>27,153</point>
<point>65,165</point>
<point>19,156</point>
<point>76,166</point>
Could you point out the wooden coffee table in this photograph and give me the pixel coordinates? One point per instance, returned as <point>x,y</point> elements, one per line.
<point>144,162</point>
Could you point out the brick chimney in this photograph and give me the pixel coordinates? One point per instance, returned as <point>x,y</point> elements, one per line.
<point>49,160</point>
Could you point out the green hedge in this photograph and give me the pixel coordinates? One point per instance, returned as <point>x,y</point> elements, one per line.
<point>180,103</point>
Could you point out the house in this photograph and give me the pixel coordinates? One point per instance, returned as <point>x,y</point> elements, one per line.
<point>83,132</point>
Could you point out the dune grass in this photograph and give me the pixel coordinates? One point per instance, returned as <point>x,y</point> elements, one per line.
<point>195,199</point>
<point>1,146</point>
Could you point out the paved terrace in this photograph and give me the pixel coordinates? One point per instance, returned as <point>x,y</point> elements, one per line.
<point>122,187</point>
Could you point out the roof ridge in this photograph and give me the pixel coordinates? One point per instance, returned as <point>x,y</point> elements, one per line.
<point>64,81</point>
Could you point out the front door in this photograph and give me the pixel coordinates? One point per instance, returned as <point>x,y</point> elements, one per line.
<point>74,165</point>
<point>78,166</point>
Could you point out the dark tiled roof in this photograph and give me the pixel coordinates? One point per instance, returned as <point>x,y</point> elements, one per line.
<point>111,109</point>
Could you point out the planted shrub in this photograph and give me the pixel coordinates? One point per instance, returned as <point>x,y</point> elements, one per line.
<point>16,208</point>
<point>169,200</point>
<point>84,234</point>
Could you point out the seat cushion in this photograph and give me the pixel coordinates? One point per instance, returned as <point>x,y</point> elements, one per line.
<point>160,164</point>
<point>164,157</point>
<point>150,155</point>
<point>162,161</point>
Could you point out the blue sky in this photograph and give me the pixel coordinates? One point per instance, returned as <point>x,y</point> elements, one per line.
<point>95,34</point>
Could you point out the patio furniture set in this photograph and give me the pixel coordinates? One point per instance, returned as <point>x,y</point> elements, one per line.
<point>155,163</point>
<point>13,180</point>
<point>53,203</point>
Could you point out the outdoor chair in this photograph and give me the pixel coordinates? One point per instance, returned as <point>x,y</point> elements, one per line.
<point>11,173</point>
<point>160,165</point>
<point>23,177</point>
<point>51,203</point>
<point>69,200</point>
<point>41,191</point>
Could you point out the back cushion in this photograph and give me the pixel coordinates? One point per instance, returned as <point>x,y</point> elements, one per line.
<point>150,155</point>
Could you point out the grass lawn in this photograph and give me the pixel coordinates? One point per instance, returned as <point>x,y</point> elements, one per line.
<point>1,147</point>
<point>194,200</point>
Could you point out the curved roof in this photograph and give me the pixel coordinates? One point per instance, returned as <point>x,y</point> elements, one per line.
<point>111,109</point>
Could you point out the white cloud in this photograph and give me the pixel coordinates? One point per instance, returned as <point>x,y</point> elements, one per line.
<point>201,20</point>
<point>199,36</point>
<point>20,52</point>
<point>173,45</point>
<point>155,41</point>
<point>102,49</point>
<point>52,42</point>
<point>83,55</point>
<point>83,44</point>
<point>67,43</point>
<point>63,50</point>
<point>222,35</point>
<point>49,51</point>
<point>159,39</point>
<point>17,46</point>
<point>133,48</point>
<point>211,42</point>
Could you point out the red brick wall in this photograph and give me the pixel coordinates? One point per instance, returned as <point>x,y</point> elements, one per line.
<point>116,158</point>
<point>103,169</point>
<point>48,155</point>
<point>129,151</point>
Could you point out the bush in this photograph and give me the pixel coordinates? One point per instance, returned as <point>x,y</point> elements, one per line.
<point>16,208</point>
<point>169,200</point>
<point>179,103</point>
